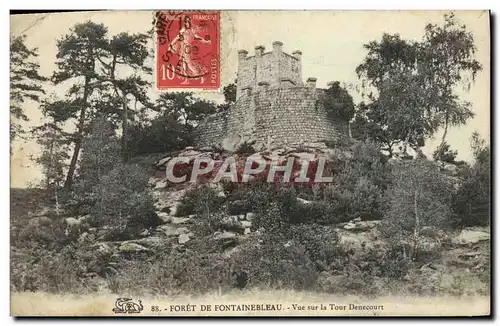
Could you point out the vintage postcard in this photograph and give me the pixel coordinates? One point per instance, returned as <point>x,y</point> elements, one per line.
<point>250,163</point>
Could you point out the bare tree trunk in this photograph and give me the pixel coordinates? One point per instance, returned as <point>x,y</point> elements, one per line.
<point>57,199</point>
<point>417,225</point>
<point>443,140</point>
<point>68,184</point>
<point>125,128</point>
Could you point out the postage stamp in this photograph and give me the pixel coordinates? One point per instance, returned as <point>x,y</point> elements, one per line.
<point>187,49</point>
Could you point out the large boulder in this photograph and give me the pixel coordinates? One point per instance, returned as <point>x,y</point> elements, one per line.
<point>163,161</point>
<point>151,242</point>
<point>171,230</point>
<point>246,224</point>
<point>469,237</point>
<point>230,142</point>
<point>164,217</point>
<point>225,235</point>
<point>161,184</point>
<point>360,226</point>
<point>132,247</point>
<point>103,248</point>
<point>180,220</point>
<point>235,223</point>
<point>183,238</point>
<point>71,222</point>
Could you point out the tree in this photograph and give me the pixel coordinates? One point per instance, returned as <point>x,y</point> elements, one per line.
<point>93,61</point>
<point>53,158</point>
<point>25,81</point>
<point>126,50</point>
<point>337,102</point>
<point>77,57</point>
<point>396,110</point>
<point>413,84</point>
<point>229,92</point>
<point>419,196</point>
<point>172,128</point>
<point>114,193</point>
<point>444,153</point>
<point>471,202</point>
<point>448,60</point>
<point>186,109</point>
<point>100,151</point>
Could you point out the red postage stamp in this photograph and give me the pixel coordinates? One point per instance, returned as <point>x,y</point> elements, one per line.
<point>187,49</point>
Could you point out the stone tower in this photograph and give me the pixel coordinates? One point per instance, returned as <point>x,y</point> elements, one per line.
<point>273,107</point>
<point>271,69</point>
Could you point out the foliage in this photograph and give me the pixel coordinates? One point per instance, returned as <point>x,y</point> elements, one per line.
<point>444,153</point>
<point>115,194</point>
<point>322,246</point>
<point>229,92</point>
<point>359,186</point>
<point>419,196</point>
<point>277,264</point>
<point>471,202</point>
<point>201,200</point>
<point>337,102</point>
<point>413,84</point>
<point>89,62</point>
<point>245,148</point>
<point>100,152</point>
<point>162,134</point>
<point>53,158</point>
<point>25,81</point>
<point>172,128</point>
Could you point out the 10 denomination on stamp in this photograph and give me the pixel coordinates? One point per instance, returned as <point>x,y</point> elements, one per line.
<point>187,49</point>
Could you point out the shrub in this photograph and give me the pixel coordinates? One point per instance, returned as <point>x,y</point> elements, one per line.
<point>471,201</point>
<point>444,153</point>
<point>321,244</point>
<point>124,199</point>
<point>57,271</point>
<point>201,200</point>
<point>276,263</point>
<point>419,196</point>
<point>172,273</point>
<point>245,148</point>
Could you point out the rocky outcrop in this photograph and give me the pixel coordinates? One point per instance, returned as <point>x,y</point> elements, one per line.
<point>469,237</point>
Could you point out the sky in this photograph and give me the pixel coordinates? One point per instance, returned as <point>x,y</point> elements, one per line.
<point>331,43</point>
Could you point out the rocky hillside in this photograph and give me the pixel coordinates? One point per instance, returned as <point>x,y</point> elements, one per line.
<point>350,252</point>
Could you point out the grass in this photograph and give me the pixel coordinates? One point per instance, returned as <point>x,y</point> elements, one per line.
<point>43,304</point>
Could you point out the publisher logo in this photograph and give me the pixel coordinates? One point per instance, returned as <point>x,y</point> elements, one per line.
<point>127,306</point>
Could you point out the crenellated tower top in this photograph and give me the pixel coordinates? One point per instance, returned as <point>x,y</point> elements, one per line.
<point>273,69</point>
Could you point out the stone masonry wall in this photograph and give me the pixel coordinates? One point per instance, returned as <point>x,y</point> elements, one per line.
<point>212,130</point>
<point>272,117</point>
<point>290,116</point>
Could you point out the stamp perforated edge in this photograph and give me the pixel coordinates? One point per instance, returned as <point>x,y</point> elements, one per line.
<point>187,89</point>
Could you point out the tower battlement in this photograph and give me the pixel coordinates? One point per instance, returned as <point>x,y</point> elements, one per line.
<point>275,69</point>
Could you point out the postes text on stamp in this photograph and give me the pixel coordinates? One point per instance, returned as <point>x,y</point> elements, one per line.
<point>187,49</point>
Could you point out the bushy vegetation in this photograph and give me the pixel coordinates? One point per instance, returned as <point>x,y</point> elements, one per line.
<point>472,200</point>
<point>246,148</point>
<point>444,153</point>
<point>202,200</point>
